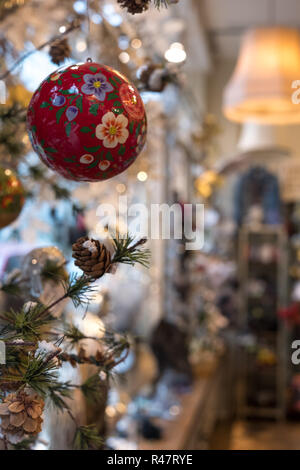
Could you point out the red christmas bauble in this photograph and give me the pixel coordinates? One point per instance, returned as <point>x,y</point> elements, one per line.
<point>87,122</point>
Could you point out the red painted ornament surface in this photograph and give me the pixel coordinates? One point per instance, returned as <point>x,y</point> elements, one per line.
<point>87,122</point>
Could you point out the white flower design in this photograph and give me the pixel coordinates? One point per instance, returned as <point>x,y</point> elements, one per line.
<point>104,165</point>
<point>86,159</point>
<point>112,130</point>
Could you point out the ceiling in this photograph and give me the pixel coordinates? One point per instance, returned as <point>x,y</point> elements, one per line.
<point>225,20</point>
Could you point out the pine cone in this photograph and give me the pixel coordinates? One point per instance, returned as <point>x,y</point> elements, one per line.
<point>135,6</point>
<point>91,256</point>
<point>21,413</point>
<point>145,71</point>
<point>59,51</point>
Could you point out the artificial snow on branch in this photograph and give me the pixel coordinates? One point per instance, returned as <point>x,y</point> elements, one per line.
<point>29,379</point>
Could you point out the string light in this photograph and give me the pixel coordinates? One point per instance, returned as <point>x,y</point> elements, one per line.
<point>110,411</point>
<point>136,43</point>
<point>120,407</point>
<point>124,57</point>
<point>121,188</point>
<point>142,176</point>
<point>175,53</point>
<point>62,29</point>
<point>81,46</point>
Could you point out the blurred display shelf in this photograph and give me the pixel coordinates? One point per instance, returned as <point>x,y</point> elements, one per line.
<point>195,423</point>
<point>262,263</point>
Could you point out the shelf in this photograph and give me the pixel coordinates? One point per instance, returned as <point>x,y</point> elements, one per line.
<point>191,427</point>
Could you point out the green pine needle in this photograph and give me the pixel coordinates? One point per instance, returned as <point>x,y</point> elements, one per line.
<point>57,392</point>
<point>26,325</point>
<point>128,251</point>
<point>79,289</point>
<point>159,3</point>
<point>25,444</point>
<point>92,389</point>
<point>73,334</point>
<point>40,374</point>
<point>86,438</point>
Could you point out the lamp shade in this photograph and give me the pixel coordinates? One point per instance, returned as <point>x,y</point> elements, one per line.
<point>260,89</point>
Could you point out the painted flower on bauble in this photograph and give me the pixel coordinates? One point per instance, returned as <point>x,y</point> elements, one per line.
<point>113,130</point>
<point>58,100</point>
<point>55,77</point>
<point>96,85</point>
<point>132,101</point>
<point>86,159</point>
<point>104,165</point>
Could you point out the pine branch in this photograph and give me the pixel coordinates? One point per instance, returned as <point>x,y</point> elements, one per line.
<point>25,444</point>
<point>128,252</point>
<point>26,325</point>
<point>57,392</point>
<point>161,3</point>
<point>72,27</point>
<point>92,389</point>
<point>73,334</point>
<point>79,289</point>
<point>86,438</point>
<point>41,374</point>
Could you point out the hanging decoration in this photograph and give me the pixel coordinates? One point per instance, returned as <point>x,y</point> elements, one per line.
<point>139,6</point>
<point>44,271</point>
<point>11,196</point>
<point>91,256</point>
<point>94,258</point>
<point>155,77</point>
<point>59,51</point>
<point>87,122</point>
<point>135,6</point>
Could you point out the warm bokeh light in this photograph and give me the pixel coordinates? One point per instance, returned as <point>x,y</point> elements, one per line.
<point>81,45</point>
<point>124,57</point>
<point>121,188</point>
<point>175,53</point>
<point>142,176</point>
<point>136,43</point>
